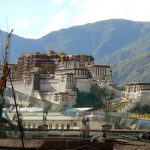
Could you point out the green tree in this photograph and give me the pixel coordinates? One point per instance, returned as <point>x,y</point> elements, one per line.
<point>141,109</point>
<point>96,98</point>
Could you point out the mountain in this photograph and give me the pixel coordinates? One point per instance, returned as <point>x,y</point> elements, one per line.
<point>135,69</point>
<point>20,46</point>
<point>123,44</point>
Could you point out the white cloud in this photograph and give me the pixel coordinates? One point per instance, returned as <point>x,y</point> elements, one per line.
<point>88,11</point>
<point>95,10</point>
<point>78,12</point>
<point>77,2</point>
<point>57,21</point>
<point>27,22</point>
<point>57,2</point>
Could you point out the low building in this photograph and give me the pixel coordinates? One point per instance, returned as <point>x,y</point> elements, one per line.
<point>138,92</point>
<point>34,118</point>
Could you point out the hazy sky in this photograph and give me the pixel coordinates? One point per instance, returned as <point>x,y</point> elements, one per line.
<point>36,18</point>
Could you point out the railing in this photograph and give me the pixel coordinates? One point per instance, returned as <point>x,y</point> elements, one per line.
<point>36,133</point>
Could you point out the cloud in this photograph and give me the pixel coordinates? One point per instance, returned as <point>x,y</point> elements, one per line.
<point>77,2</point>
<point>27,22</point>
<point>58,14</point>
<point>29,27</point>
<point>57,21</point>
<point>57,2</point>
<point>95,10</point>
<point>78,12</point>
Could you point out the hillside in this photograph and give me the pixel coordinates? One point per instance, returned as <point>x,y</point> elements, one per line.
<point>98,39</point>
<point>123,44</point>
<point>20,46</point>
<point>136,69</point>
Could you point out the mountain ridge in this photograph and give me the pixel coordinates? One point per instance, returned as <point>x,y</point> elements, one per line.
<point>113,42</point>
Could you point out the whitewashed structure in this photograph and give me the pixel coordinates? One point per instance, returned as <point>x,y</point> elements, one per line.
<point>138,92</point>
<point>56,77</point>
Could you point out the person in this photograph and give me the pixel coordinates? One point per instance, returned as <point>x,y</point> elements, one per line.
<point>85,127</point>
<point>2,88</point>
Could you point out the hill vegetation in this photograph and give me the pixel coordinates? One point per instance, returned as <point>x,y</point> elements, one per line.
<point>138,109</point>
<point>96,98</point>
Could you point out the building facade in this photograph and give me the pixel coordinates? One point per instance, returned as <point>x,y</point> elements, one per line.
<point>138,92</point>
<point>56,76</point>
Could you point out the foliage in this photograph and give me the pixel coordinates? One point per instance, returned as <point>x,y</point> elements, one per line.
<point>96,98</point>
<point>88,100</point>
<point>103,93</point>
<point>141,109</point>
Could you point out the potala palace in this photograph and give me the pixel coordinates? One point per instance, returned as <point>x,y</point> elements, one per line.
<point>51,80</point>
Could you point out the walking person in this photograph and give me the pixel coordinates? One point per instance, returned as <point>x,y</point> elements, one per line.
<point>85,127</point>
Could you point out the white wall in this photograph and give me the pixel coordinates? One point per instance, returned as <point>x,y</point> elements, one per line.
<point>84,85</point>
<point>22,86</point>
<point>145,97</point>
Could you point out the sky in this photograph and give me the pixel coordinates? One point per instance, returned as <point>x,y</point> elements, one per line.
<point>36,18</point>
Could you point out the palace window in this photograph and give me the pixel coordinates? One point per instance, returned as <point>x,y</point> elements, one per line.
<point>63,97</point>
<point>62,126</point>
<point>33,125</point>
<point>134,90</point>
<point>50,126</point>
<point>68,126</point>
<point>75,124</point>
<point>29,125</point>
<point>57,126</point>
<point>56,97</point>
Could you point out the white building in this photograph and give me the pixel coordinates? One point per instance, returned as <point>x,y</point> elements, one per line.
<point>138,92</point>
<point>59,78</point>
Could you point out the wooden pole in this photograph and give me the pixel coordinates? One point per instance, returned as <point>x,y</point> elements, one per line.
<point>19,122</point>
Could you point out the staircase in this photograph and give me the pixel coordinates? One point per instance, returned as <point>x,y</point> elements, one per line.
<point>132,103</point>
<point>123,104</point>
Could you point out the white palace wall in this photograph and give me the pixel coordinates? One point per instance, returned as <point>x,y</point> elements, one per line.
<point>84,85</point>
<point>23,86</point>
